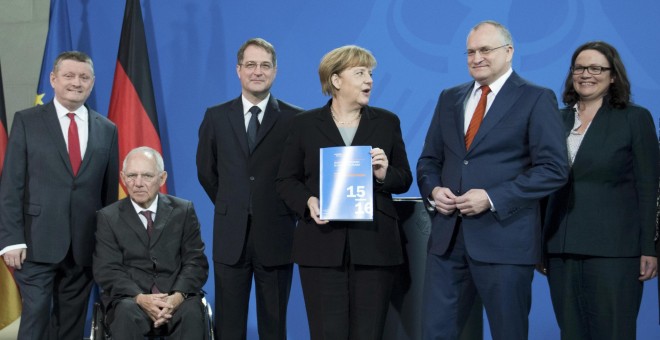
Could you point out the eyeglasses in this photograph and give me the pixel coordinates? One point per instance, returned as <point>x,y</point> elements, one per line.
<point>483,50</point>
<point>251,66</point>
<point>593,70</point>
<point>146,177</point>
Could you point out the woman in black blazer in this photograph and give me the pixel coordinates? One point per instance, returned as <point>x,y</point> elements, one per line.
<point>346,268</point>
<point>600,227</point>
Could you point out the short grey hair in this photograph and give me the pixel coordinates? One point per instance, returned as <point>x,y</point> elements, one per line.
<point>160,165</point>
<point>504,32</point>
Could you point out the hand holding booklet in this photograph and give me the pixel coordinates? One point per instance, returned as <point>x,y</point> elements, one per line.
<point>346,180</point>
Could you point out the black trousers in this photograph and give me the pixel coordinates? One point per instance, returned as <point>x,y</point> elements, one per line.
<point>347,302</point>
<point>55,298</point>
<point>595,298</point>
<point>233,284</point>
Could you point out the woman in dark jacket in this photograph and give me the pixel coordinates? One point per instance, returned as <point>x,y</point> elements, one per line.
<point>600,227</point>
<point>346,268</point>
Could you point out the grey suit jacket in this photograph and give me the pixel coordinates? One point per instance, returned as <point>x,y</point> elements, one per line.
<point>127,262</point>
<point>42,204</point>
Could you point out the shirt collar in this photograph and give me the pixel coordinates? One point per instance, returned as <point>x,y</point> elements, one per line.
<point>247,105</point>
<point>153,207</point>
<point>62,111</point>
<point>496,86</point>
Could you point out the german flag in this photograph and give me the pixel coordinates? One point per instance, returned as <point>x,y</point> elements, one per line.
<point>132,103</point>
<point>10,308</point>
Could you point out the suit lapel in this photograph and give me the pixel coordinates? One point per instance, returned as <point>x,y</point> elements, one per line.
<point>92,139</point>
<point>271,115</point>
<point>366,127</point>
<point>459,113</point>
<point>593,140</point>
<point>132,220</point>
<point>504,100</point>
<point>327,126</point>
<point>237,122</point>
<point>163,215</point>
<point>54,129</point>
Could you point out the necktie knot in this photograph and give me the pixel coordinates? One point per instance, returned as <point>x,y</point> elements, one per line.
<point>485,90</point>
<point>255,110</point>
<point>150,221</point>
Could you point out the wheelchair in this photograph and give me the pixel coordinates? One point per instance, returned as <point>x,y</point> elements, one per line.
<point>100,330</point>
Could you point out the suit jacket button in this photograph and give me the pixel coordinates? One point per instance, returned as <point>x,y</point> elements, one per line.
<point>252,178</point>
<point>466,162</point>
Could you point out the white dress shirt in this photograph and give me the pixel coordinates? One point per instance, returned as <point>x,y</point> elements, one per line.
<point>153,207</point>
<point>247,106</point>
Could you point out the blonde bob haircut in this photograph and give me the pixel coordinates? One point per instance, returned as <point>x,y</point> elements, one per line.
<point>338,60</point>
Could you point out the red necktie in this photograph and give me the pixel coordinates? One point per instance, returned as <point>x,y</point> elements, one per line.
<point>74,144</point>
<point>477,117</point>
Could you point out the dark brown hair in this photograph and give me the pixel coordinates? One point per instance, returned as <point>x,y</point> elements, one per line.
<point>259,43</point>
<point>618,94</point>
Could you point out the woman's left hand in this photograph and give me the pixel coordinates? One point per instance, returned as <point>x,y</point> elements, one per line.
<point>379,163</point>
<point>648,267</point>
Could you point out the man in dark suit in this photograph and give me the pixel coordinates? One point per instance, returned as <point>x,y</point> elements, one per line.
<point>483,180</point>
<point>240,145</point>
<point>60,168</point>
<point>149,257</point>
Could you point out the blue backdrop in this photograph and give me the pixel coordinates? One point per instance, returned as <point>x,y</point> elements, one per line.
<point>419,46</point>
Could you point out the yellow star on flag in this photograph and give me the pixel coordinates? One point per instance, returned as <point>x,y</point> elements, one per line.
<point>39,99</point>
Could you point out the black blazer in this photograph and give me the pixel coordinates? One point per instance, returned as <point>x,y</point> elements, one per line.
<point>234,180</point>
<point>608,206</point>
<point>370,243</point>
<point>42,204</point>
<point>127,262</point>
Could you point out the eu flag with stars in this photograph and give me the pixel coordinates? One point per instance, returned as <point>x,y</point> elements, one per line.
<point>57,41</point>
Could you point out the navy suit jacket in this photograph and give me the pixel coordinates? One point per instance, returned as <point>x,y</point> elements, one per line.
<point>518,156</point>
<point>236,180</point>
<point>42,204</point>
<point>128,262</point>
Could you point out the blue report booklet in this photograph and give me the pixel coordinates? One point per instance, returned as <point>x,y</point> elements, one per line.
<point>346,192</point>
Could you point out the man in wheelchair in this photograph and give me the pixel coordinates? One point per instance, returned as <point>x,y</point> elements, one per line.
<point>149,259</point>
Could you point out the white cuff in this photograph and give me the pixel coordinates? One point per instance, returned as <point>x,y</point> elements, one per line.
<point>12,247</point>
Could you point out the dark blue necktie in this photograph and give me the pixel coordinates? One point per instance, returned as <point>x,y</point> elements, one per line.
<point>253,127</point>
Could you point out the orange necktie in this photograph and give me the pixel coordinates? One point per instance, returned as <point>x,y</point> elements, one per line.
<point>477,117</point>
